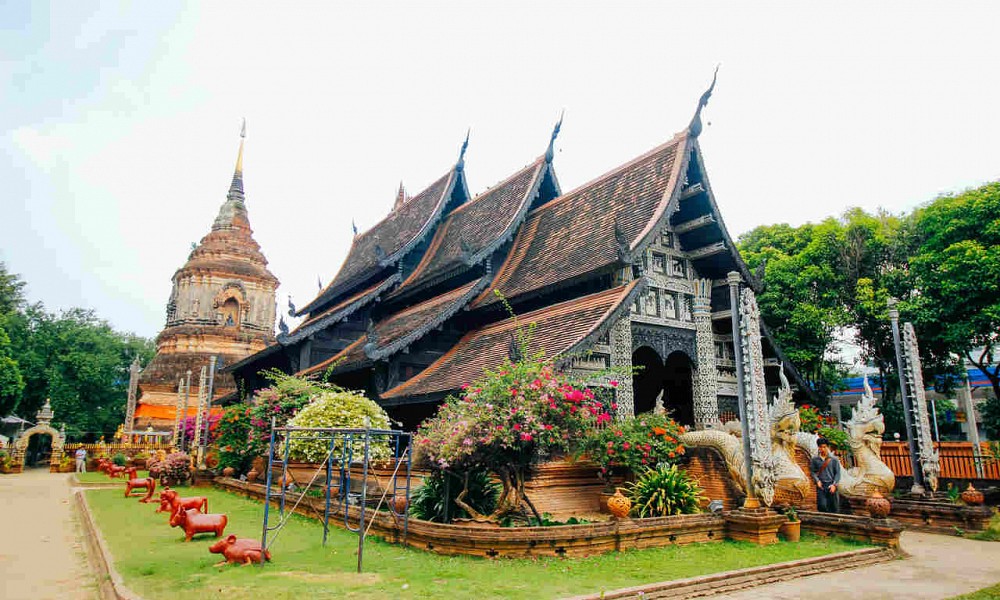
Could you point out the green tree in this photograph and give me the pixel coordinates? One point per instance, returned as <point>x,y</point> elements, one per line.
<point>79,362</point>
<point>11,380</point>
<point>956,272</point>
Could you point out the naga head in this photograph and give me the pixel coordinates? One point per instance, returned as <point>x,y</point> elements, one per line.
<point>765,479</point>
<point>785,421</point>
<point>866,425</point>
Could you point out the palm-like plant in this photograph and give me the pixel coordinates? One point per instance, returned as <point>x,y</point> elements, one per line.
<point>664,490</point>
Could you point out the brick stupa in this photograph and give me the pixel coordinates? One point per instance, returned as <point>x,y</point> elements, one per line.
<point>222,304</point>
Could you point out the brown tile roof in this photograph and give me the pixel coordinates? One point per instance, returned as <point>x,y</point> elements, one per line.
<point>583,230</point>
<point>401,329</point>
<point>406,326</point>
<point>474,230</point>
<point>393,235</point>
<point>353,355</point>
<point>339,311</point>
<point>559,329</point>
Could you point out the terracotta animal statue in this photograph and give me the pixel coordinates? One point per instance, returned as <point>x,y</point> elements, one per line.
<point>148,484</point>
<point>103,464</point>
<point>114,471</point>
<point>193,522</point>
<point>239,550</point>
<point>170,501</point>
<point>864,431</point>
<point>130,472</point>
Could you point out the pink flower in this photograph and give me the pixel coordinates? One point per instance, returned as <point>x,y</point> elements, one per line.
<point>517,427</point>
<point>548,427</point>
<point>603,418</point>
<point>525,437</point>
<point>614,383</point>
<point>626,445</point>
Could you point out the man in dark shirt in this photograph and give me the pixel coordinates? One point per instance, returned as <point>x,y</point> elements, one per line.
<point>825,470</point>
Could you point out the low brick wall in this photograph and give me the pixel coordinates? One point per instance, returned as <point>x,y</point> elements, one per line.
<point>709,468</point>
<point>565,540</point>
<point>882,532</point>
<point>933,516</point>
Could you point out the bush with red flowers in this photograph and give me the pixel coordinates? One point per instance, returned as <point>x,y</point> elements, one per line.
<point>635,443</point>
<point>505,422</point>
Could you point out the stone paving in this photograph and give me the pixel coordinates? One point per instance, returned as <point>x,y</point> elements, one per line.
<point>939,566</point>
<point>41,551</point>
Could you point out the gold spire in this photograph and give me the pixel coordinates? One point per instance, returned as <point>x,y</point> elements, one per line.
<point>239,156</point>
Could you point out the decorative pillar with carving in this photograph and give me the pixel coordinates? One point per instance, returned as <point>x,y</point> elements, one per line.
<point>621,358</point>
<point>904,392</point>
<point>755,395</point>
<point>706,402</point>
<point>929,461</point>
<point>199,419</point>
<point>133,388</point>
<point>178,413</point>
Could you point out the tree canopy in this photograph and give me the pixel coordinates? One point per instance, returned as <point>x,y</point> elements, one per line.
<point>942,261</point>
<point>74,358</point>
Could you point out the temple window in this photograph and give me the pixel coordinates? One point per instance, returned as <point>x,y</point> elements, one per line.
<point>669,305</point>
<point>677,268</point>
<point>667,239</point>
<point>652,303</point>
<point>230,313</point>
<point>659,263</point>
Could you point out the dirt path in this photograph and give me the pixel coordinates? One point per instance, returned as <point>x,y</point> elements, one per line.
<point>41,549</point>
<point>939,566</point>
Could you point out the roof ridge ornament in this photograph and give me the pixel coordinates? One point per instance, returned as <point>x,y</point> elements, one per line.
<point>401,196</point>
<point>694,129</point>
<point>550,151</point>
<point>460,165</point>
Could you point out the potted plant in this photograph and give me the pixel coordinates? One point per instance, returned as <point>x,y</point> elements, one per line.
<point>5,462</point>
<point>140,460</point>
<point>66,464</point>
<point>791,529</point>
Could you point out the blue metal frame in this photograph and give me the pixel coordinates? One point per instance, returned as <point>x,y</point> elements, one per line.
<point>347,437</point>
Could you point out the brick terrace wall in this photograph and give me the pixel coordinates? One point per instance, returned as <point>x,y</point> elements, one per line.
<point>708,467</point>
<point>802,459</point>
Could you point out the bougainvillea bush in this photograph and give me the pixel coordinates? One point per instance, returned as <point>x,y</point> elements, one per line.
<point>286,396</point>
<point>188,423</point>
<point>175,469</point>
<point>505,422</point>
<point>232,432</point>
<point>635,443</point>
<point>339,408</point>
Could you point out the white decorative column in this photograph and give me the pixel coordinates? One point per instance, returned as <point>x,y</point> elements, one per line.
<point>179,411</point>
<point>758,425</point>
<point>929,462</point>
<point>966,404</point>
<point>706,401</point>
<point>133,388</point>
<point>202,409</point>
<point>621,358</point>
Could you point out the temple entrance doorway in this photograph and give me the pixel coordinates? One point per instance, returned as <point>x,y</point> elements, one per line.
<point>678,396</point>
<point>671,378</point>
<point>647,383</point>
<point>39,450</point>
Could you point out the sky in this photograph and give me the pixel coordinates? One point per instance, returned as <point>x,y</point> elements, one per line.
<point>119,121</point>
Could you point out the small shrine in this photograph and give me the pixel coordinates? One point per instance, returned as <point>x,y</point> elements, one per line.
<point>43,425</point>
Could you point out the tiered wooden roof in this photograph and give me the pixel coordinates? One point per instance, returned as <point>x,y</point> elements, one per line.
<point>593,228</point>
<point>341,310</point>
<point>474,230</point>
<point>558,329</point>
<point>390,239</point>
<point>397,330</point>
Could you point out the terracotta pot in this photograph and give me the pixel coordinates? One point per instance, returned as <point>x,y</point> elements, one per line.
<point>228,472</point>
<point>972,496</point>
<point>791,530</point>
<point>878,505</point>
<point>399,504</point>
<point>619,505</point>
<point>602,501</point>
<point>252,475</point>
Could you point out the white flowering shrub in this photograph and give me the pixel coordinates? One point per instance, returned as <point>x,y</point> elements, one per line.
<point>339,408</point>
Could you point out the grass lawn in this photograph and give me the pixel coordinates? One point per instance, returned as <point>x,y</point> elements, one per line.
<point>98,477</point>
<point>990,534</point>
<point>989,593</point>
<point>157,564</point>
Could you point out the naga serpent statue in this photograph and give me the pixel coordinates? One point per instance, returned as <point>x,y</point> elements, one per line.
<point>864,432</point>
<point>783,480</point>
<point>786,481</point>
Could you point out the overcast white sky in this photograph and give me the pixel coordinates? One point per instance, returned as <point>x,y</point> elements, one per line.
<point>119,122</point>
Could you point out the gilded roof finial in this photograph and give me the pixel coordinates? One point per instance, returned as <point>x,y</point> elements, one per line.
<point>550,151</point>
<point>237,186</point>
<point>460,165</point>
<point>401,197</point>
<point>694,129</point>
